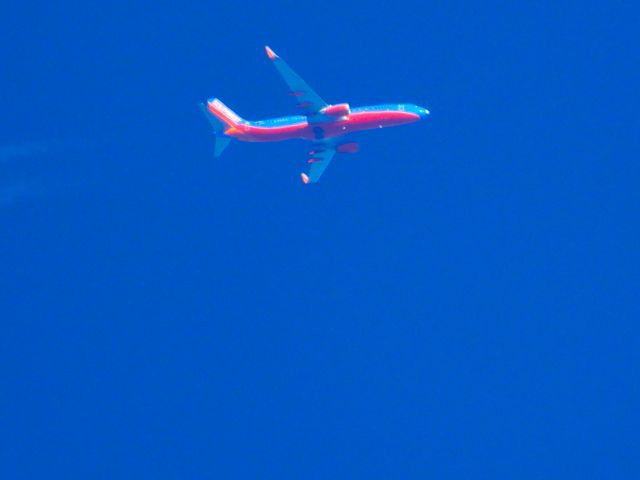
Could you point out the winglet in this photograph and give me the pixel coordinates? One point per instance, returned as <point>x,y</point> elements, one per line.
<point>305,178</point>
<point>270,53</point>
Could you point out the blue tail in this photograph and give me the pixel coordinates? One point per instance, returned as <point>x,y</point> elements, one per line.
<point>218,129</point>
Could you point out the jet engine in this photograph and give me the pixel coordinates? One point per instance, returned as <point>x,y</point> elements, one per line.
<point>338,110</point>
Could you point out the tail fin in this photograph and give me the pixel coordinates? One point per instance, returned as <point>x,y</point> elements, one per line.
<point>223,113</point>
<point>221,118</point>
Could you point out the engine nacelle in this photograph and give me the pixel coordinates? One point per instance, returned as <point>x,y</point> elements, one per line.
<point>338,110</point>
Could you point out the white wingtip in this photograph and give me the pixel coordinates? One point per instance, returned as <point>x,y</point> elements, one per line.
<point>270,53</point>
<point>305,178</point>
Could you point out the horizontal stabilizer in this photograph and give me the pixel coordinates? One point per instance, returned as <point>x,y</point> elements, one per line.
<point>221,144</point>
<point>218,129</point>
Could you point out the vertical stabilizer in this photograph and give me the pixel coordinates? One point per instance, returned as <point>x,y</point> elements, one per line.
<point>223,113</point>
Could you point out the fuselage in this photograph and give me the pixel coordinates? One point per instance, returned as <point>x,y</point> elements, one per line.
<point>298,127</point>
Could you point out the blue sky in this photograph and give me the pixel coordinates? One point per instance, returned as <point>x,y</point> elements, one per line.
<point>457,300</point>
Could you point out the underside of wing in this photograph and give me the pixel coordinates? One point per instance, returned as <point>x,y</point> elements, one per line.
<point>309,102</point>
<point>319,158</point>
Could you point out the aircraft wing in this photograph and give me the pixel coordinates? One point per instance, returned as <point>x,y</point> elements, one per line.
<point>319,158</point>
<point>309,102</point>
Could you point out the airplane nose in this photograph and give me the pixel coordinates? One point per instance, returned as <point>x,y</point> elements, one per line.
<point>423,112</point>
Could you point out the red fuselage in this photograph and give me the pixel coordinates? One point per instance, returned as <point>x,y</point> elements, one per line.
<point>289,128</point>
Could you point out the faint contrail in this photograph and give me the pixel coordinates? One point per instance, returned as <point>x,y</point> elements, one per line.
<point>10,194</point>
<point>17,151</point>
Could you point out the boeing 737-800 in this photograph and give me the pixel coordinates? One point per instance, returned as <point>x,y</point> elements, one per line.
<point>322,124</point>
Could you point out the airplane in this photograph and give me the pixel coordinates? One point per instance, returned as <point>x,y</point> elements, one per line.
<point>323,124</point>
